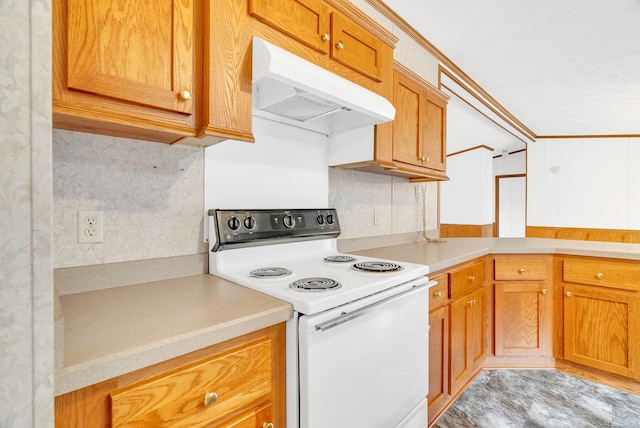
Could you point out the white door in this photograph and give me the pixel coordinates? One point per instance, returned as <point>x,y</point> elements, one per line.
<point>512,194</point>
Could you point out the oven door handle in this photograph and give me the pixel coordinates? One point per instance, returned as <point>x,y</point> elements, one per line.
<point>348,316</point>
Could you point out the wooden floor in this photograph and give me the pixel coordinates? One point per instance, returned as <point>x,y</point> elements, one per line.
<point>540,399</point>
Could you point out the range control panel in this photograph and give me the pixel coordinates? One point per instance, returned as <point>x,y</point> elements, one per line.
<point>262,227</point>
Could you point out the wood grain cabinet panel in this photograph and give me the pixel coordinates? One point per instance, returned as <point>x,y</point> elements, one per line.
<point>419,142</point>
<point>602,329</point>
<point>468,337</point>
<point>521,268</point>
<point>523,319</point>
<point>246,374</point>
<point>439,393</point>
<point>127,68</point>
<point>236,379</point>
<point>611,273</point>
<point>307,21</point>
<point>468,278</point>
<point>356,48</point>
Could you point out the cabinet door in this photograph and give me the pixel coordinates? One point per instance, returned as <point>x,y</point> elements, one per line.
<point>522,319</point>
<point>602,329</point>
<point>438,361</point>
<point>138,52</point>
<point>356,48</point>
<point>408,98</point>
<point>305,20</point>
<point>434,145</point>
<point>459,353</point>
<point>477,329</point>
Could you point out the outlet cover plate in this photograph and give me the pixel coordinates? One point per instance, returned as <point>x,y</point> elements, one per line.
<point>90,227</point>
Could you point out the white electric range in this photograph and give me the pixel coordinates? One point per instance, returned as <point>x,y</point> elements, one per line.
<point>357,345</point>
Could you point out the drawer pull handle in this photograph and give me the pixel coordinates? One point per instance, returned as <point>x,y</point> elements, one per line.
<point>340,45</point>
<point>568,294</point>
<point>471,277</point>
<point>437,294</point>
<point>599,275</point>
<point>210,399</point>
<point>326,37</point>
<point>522,271</point>
<point>185,95</point>
<point>544,291</point>
<point>267,425</point>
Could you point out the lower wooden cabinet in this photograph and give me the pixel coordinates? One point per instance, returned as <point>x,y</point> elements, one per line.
<point>523,319</point>
<point>468,337</point>
<point>602,329</point>
<point>238,383</point>
<point>439,392</point>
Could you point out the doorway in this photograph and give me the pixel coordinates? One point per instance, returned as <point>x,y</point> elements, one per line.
<point>511,206</point>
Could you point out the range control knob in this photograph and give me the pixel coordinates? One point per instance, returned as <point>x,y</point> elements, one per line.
<point>288,221</point>
<point>320,219</point>
<point>249,223</point>
<point>329,218</point>
<point>233,223</point>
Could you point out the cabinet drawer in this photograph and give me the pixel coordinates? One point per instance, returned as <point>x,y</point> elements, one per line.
<point>467,279</point>
<point>439,294</point>
<point>238,377</point>
<point>520,268</point>
<point>620,274</point>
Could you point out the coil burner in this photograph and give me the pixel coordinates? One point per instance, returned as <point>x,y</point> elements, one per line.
<point>377,267</point>
<point>339,259</point>
<point>315,284</point>
<point>270,272</point>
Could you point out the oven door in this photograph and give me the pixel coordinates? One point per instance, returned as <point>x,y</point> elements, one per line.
<point>365,364</point>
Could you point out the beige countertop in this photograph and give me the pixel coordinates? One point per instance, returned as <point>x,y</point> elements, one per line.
<point>117,330</point>
<point>443,255</point>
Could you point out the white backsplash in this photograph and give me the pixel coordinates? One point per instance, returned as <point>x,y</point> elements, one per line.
<point>150,195</point>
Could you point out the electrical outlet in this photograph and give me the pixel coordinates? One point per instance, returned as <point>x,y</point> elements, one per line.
<point>417,190</point>
<point>90,227</point>
<point>376,217</point>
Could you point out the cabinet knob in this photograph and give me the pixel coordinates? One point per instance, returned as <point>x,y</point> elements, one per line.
<point>185,95</point>
<point>544,291</point>
<point>210,399</point>
<point>470,302</point>
<point>599,275</point>
<point>326,37</point>
<point>568,294</point>
<point>522,271</point>
<point>427,159</point>
<point>471,277</point>
<point>267,425</point>
<point>340,45</point>
<point>437,294</point>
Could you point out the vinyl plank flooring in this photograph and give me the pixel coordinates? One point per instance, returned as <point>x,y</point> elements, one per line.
<point>540,399</point>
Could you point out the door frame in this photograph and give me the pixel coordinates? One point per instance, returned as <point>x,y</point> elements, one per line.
<point>496,223</point>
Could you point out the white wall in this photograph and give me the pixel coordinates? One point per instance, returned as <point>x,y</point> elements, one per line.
<point>515,163</point>
<point>26,284</point>
<point>591,183</point>
<point>468,198</point>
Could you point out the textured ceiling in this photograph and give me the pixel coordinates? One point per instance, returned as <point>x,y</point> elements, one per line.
<point>562,67</point>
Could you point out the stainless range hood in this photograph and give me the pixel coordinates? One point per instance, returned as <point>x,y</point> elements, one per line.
<point>289,89</point>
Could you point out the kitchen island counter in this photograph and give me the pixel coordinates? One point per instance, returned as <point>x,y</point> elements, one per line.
<point>439,256</point>
<point>118,330</point>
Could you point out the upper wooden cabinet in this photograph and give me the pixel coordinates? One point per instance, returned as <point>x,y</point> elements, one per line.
<point>356,48</point>
<point>127,68</point>
<point>419,143</point>
<point>307,21</point>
